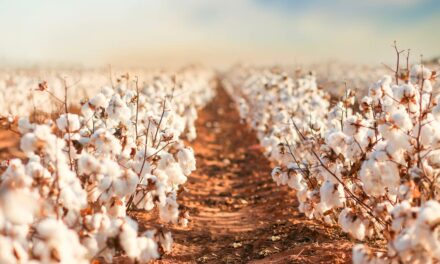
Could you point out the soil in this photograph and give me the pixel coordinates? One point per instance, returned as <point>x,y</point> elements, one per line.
<point>237,213</point>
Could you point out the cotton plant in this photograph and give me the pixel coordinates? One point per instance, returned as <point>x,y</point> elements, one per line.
<point>372,171</point>
<point>69,200</point>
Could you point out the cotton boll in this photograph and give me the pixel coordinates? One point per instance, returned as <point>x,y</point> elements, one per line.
<point>105,142</point>
<point>279,176</point>
<point>402,244</point>
<point>296,182</point>
<point>128,239</point>
<point>87,112</point>
<point>402,120</point>
<point>427,133</point>
<point>148,248</point>
<point>352,125</point>
<point>419,72</point>
<point>25,126</point>
<point>399,215</point>
<point>72,195</point>
<point>28,143</point>
<point>69,122</point>
<point>8,252</point>
<point>428,219</point>
<point>169,212</point>
<point>362,255</point>
<point>99,100</point>
<point>15,176</point>
<point>336,141</point>
<point>118,110</point>
<point>87,164</point>
<point>186,160</point>
<point>91,245</point>
<point>144,201</point>
<point>166,241</point>
<point>376,176</point>
<point>175,174</point>
<point>397,139</point>
<point>36,170</point>
<point>126,184</point>
<point>332,195</point>
<point>58,243</point>
<point>19,206</point>
<point>352,224</point>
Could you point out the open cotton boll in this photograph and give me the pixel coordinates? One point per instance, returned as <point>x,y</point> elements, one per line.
<point>429,133</point>
<point>426,228</point>
<point>36,170</point>
<point>18,206</point>
<point>99,100</point>
<point>72,195</point>
<point>332,195</point>
<point>352,125</point>
<point>126,184</point>
<point>148,248</point>
<point>105,142</point>
<point>352,224</point>
<point>380,88</point>
<point>87,164</point>
<point>57,243</point>
<point>419,72</point>
<point>377,177</point>
<point>118,110</point>
<point>186,160</point>
<point>12,251</point>
<point>362,255</point>
<point>175,174</point>
<point>402,120</point>
<point>68,122</point>
<point>15,175</point>
<point>295,180</point>
<point>24,126</point>
<point>166,241</point>
<point>128,239</point>
<point>279,176</point>
<point>169,211</point>
<point>336,140</point>
<point>399,214</point>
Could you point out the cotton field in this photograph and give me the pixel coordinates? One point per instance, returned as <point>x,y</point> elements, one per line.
<point>191,131</point>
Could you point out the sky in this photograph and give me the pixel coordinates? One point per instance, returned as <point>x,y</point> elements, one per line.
<point>211,32</point>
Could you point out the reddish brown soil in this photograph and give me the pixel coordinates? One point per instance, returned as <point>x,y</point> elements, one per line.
<point>9,142</point>
<point>238,214</point>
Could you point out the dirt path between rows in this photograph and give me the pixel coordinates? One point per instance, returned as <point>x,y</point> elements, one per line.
<point>238,214</point>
